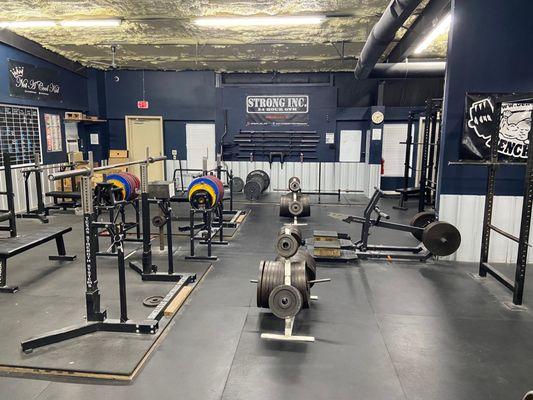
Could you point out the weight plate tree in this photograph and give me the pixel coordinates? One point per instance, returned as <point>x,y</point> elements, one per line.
<point>256,183</point>
<point>290,207</point>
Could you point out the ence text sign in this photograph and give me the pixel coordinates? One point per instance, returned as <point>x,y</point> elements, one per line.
<point>277,110</point>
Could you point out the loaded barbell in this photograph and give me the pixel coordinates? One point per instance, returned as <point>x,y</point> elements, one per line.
<point>205,192</point>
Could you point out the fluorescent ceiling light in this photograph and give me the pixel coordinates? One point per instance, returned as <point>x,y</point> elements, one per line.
<point>27,24</point>
<point>260,21</point>
<point>442,27</point>
<point>91,22</point>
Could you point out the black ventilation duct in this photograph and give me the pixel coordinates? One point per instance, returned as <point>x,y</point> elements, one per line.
<point>383,34</point>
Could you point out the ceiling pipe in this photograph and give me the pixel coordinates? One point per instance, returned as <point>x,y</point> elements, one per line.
<point>383,34</point>
<point>426,69</point>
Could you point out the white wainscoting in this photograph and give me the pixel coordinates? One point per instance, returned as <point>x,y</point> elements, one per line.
<point>334,175</point>
<point>466,213</point>
<point>18,189</point>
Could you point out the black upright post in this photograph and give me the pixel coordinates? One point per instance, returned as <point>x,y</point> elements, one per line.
<point>489,198</point>
<point>10,194</point>
<point>424,161</point>
<point>119,241</point>
<point>170,251</point>
<point>431,156</point>
<point>39,187</point>
<point>525,225</point>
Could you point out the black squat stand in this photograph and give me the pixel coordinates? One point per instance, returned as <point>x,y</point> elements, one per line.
<point>206,231</point>
<point>97,319</point>
<point>146,268</point>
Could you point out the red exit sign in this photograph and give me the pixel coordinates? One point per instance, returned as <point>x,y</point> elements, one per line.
<point>142,104</point>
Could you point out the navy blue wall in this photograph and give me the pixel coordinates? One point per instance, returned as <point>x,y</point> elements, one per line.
<point>322,113</point>
<point>178,97</point>
<point>489,50</point>
<point>73,87</point>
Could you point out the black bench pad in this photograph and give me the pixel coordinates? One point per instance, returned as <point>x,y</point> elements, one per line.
<point>10,247</point>
<point>66,195</point>
<point>4,216</point>
<point>410,190</point>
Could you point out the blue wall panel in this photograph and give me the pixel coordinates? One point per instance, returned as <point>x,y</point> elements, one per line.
<point>487,52</point>
<point>73,88</point>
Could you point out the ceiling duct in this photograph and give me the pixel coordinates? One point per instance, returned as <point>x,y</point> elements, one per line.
<point>428,69</point>
<point>383,34</point>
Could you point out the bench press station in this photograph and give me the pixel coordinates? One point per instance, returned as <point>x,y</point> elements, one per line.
<point>13,245</point>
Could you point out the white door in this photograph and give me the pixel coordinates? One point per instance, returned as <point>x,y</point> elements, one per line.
<point>143,132</point>
<point>200,143</point>
<point>393,151</point>
<point>350,146</point>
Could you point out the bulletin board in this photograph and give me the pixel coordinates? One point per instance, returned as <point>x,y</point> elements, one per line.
<point>20,133</point>
<point>54,138</point>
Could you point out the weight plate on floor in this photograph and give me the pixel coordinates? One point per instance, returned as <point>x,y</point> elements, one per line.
<point>441,238</point>
<point>252,190</point>
<point>237,184</point>
<point>285,301</point>
<point>152,301</point>
<point>158,221</point>
<point>421,220</point>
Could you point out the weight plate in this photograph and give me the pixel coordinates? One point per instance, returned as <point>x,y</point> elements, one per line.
<point>218,183</point>
<point>421,220</point>
<point>294,184</point>
<point>287,245</point>
<point>295,208</point>
<point>260,283</point>
<point>252,190</point>
<point>158,221</point>
<point>237,184</point>
<point>199,190</point>
<point>441,238</point>
<point>285,301</point>
<point>152,301</point>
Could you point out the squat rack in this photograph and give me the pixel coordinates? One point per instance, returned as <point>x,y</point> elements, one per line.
<point>96,318</point>
<point>516,286</point>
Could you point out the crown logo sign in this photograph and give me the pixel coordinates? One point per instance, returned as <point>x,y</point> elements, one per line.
<point>17,72</point>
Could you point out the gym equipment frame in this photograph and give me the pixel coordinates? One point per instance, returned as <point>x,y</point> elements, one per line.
<point>516,286</point>
<point>439,238</point>
<point>97,319</point>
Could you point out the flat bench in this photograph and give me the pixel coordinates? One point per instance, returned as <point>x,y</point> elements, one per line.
<point>56,194</point>
<point>12,246</point>
<point>408,191</point>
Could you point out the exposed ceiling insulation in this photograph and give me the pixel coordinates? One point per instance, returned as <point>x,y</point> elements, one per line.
<point>161,35</point>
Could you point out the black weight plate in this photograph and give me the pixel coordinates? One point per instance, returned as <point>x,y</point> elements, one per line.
<point>285,301</point>
<point>296,208</point>
<point>238,184</point>
<point>158,221</point>
<point>287,245</point>
<point>260,283</point>
<point>441,238</point>
<point>294,184</point>
<point>421,220</point>
<point>252,190</point>
<point>152,301</point>
<point>265,177</point>
<point>268,283</point>
<point>284,205</point>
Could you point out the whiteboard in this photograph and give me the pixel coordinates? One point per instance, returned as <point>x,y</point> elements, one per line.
<point>20,133</point>
<point>350,145</point>
<point>393,152</point>
<point>200,143</point>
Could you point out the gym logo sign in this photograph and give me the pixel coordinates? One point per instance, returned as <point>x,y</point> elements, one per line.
<point>515,125</point>
<point>277,110</point>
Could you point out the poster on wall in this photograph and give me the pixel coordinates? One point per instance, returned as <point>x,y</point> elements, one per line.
<point>54,138</point>
<point>277,110</point>
<point>515,124</point>
<point>31,82</point>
